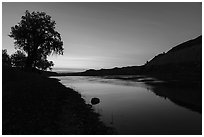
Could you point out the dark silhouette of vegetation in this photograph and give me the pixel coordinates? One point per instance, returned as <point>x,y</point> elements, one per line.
<point>44,64</point>
<point>6,60</point>
<point>35,34</point>
<point>18,59</point>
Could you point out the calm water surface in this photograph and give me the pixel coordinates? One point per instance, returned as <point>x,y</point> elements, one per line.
<point>133,107</point>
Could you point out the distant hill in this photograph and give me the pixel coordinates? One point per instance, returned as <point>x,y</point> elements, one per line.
<point>182,63</point>
<point>130,70</point>
<point>187,52</point>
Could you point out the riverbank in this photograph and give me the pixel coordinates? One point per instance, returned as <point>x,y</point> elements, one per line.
<point>33,104</point>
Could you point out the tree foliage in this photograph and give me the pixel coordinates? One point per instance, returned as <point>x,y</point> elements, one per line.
<point>18,59</point>
<point>35,34</point>
<point>6,60</point>
<point>44,64</point>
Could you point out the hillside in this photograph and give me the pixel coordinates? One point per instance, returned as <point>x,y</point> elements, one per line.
<point>182,62</point>
<point>187,52</point>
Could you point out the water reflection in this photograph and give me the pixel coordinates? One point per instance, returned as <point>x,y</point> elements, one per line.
<point>131,107</point>
<point>190,98</point>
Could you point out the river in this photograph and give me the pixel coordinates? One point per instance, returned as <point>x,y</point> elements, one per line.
<point>138,108</point>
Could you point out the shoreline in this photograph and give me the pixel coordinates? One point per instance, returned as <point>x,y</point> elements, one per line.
<point>37,105</point>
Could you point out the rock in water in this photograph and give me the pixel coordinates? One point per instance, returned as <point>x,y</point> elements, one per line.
<point>95,101</point>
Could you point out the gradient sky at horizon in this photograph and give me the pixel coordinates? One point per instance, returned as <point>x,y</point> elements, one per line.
<point>106,35</point>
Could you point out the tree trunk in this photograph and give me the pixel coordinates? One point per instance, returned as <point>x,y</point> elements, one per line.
<point>32,54</point>
<point>29,62</point>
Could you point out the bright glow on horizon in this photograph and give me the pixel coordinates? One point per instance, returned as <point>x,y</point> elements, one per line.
<point>86,62</point>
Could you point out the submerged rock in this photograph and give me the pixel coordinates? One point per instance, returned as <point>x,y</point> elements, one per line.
<point>95,101</point>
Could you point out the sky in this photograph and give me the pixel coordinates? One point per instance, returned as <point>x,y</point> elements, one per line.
<point>106,35</point>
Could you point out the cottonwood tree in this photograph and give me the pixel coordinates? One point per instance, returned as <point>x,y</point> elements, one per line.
<point>35,34</point>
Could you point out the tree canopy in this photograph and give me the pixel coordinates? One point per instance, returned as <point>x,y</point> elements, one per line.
<point>18,59</point>
<point>6,60</point>
<point>35,34</point>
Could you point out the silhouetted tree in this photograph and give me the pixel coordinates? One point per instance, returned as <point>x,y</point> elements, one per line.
<point>35,34</point>
<point>44,64</point>
<point>18,59</point>
<point>6,60</point>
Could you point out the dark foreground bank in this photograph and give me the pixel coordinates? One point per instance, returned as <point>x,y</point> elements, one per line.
<point>33,104</point>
